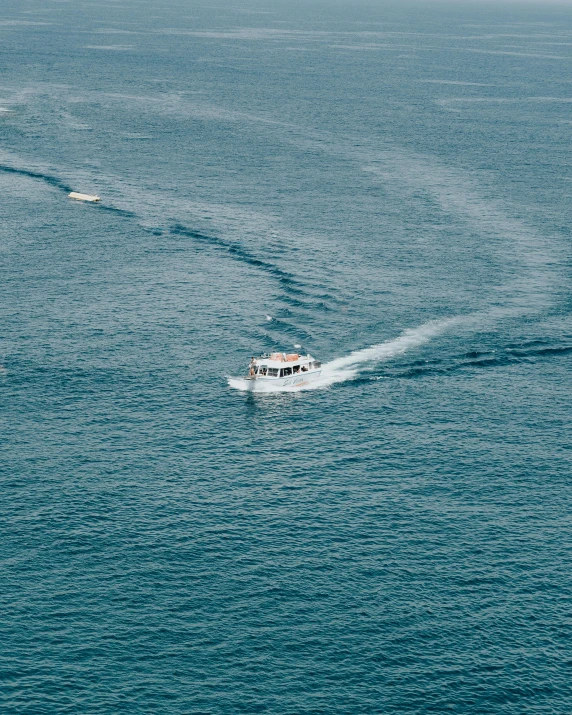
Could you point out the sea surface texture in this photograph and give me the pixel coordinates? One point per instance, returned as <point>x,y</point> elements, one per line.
<point>387,186</point>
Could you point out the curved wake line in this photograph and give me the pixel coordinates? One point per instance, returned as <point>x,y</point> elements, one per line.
<point>48,178</point>
<point>348,367</point>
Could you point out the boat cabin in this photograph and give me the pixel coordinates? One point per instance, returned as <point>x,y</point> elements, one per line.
<point>276,365</point>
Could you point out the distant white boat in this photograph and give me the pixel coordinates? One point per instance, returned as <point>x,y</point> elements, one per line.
<point>276,370</point>
<point>83,197</point>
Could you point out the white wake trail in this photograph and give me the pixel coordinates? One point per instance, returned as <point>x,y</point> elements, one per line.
<point>347,367</point>
<point>410,338</point>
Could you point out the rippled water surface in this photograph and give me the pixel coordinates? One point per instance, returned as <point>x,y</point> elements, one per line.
<point>387,185</point>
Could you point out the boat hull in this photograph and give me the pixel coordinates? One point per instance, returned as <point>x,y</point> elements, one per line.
<point>275,384</point>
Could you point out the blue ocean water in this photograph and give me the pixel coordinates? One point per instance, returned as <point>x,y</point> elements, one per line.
<point>395,175</point>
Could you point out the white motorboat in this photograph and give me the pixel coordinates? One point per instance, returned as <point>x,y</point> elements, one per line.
<point>277,370</point>
<point>83,197</point>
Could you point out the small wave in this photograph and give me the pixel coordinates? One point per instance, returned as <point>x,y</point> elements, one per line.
<point>541,351</point>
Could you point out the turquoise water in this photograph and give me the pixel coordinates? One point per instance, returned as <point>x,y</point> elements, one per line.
<point>334,175</point>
